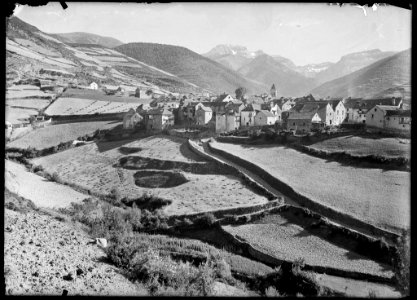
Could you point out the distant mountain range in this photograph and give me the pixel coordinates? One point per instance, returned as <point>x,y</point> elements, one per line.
<point>266,69</point>
<point>223,69</point>
<point>87,38</point>
<point>191,66</point>
<point>390,76</point>
<point>290,79</point>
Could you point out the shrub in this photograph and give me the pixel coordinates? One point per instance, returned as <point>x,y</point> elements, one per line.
<point>55,177</point>
<point>207,220</point>
<point>115,196</point>
<point>402,264</point>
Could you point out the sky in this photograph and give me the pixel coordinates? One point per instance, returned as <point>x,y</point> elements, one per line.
<point>305,33</point>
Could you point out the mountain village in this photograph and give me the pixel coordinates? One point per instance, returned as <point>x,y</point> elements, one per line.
<point>146,169</point>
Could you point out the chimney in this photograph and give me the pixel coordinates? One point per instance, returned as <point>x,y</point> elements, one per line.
<point>393,101</point>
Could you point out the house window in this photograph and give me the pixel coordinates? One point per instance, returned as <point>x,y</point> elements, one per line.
<point>293,124</point>
<point>372,116</point>
<point>375,109</point>
<point>388,118</point>
<point>304,124</point>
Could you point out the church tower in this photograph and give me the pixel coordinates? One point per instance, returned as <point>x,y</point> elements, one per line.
<point>273,91</point>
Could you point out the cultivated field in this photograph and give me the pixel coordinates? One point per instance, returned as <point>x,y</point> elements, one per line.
<point>376,196</point>
<point>77,106</point>
<point>290,242</point>
<point>101,96</point>
<point>23,94</point>
<point>28,103</point>
<point>19,115</point>
<point>52,135</point>
<point>361,146</point>
<point>91,167</point>
<point>43,193</point>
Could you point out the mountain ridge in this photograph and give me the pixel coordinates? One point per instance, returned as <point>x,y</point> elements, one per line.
<point>388,74</point>
<point>87,38</point>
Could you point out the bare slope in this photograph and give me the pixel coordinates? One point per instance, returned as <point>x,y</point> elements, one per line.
<point>385,74</point>
<point>40,251</point>
<point>352,62</point>
<point>190,66</point>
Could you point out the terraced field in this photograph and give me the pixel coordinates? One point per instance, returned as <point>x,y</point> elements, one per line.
<point>76,106</point>
<point>28,103</point>
<point>289,242</point>
<point>379,197</point>
<point>92,167</point>
<point>360,146</point>
<point>54,134</point>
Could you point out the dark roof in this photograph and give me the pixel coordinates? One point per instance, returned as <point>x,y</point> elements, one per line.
<point>309,106</point>
<point>301,115</point>
<point>221,97</point>
<point>265,106</point>
<point>394,111</point>
<point>252,107</point>
<point>334,103</point>
<point>367,104</point>
<point>400,113</point>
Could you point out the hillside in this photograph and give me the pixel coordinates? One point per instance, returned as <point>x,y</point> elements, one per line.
<point>87,38</point>
<point>268,70</point>
<point>190,66</point>
<point>28,50</point>
<point>388,74</point>
<point>351,63</point>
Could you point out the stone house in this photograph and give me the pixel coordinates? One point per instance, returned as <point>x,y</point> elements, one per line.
<point>203,115</point>
<point>228,121</point>
<point>131,119</point>
<point>247,115</point>
<point>389,117</point>
<point>356,108</point>
<point>158,119</point>
<point>93,86</point>
<point>303,122</point>
<point>264,117</point>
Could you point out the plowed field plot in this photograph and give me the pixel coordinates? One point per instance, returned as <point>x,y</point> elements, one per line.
<point>361,146</point>
<point>94,167</point>
<point>376,196</point>
<point>290,242</point>
<point>52,135</point>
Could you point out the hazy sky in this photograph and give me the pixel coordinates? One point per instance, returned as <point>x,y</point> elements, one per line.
<point>304,33</point>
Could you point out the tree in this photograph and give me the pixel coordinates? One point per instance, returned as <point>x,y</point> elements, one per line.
<point>240,92</point>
